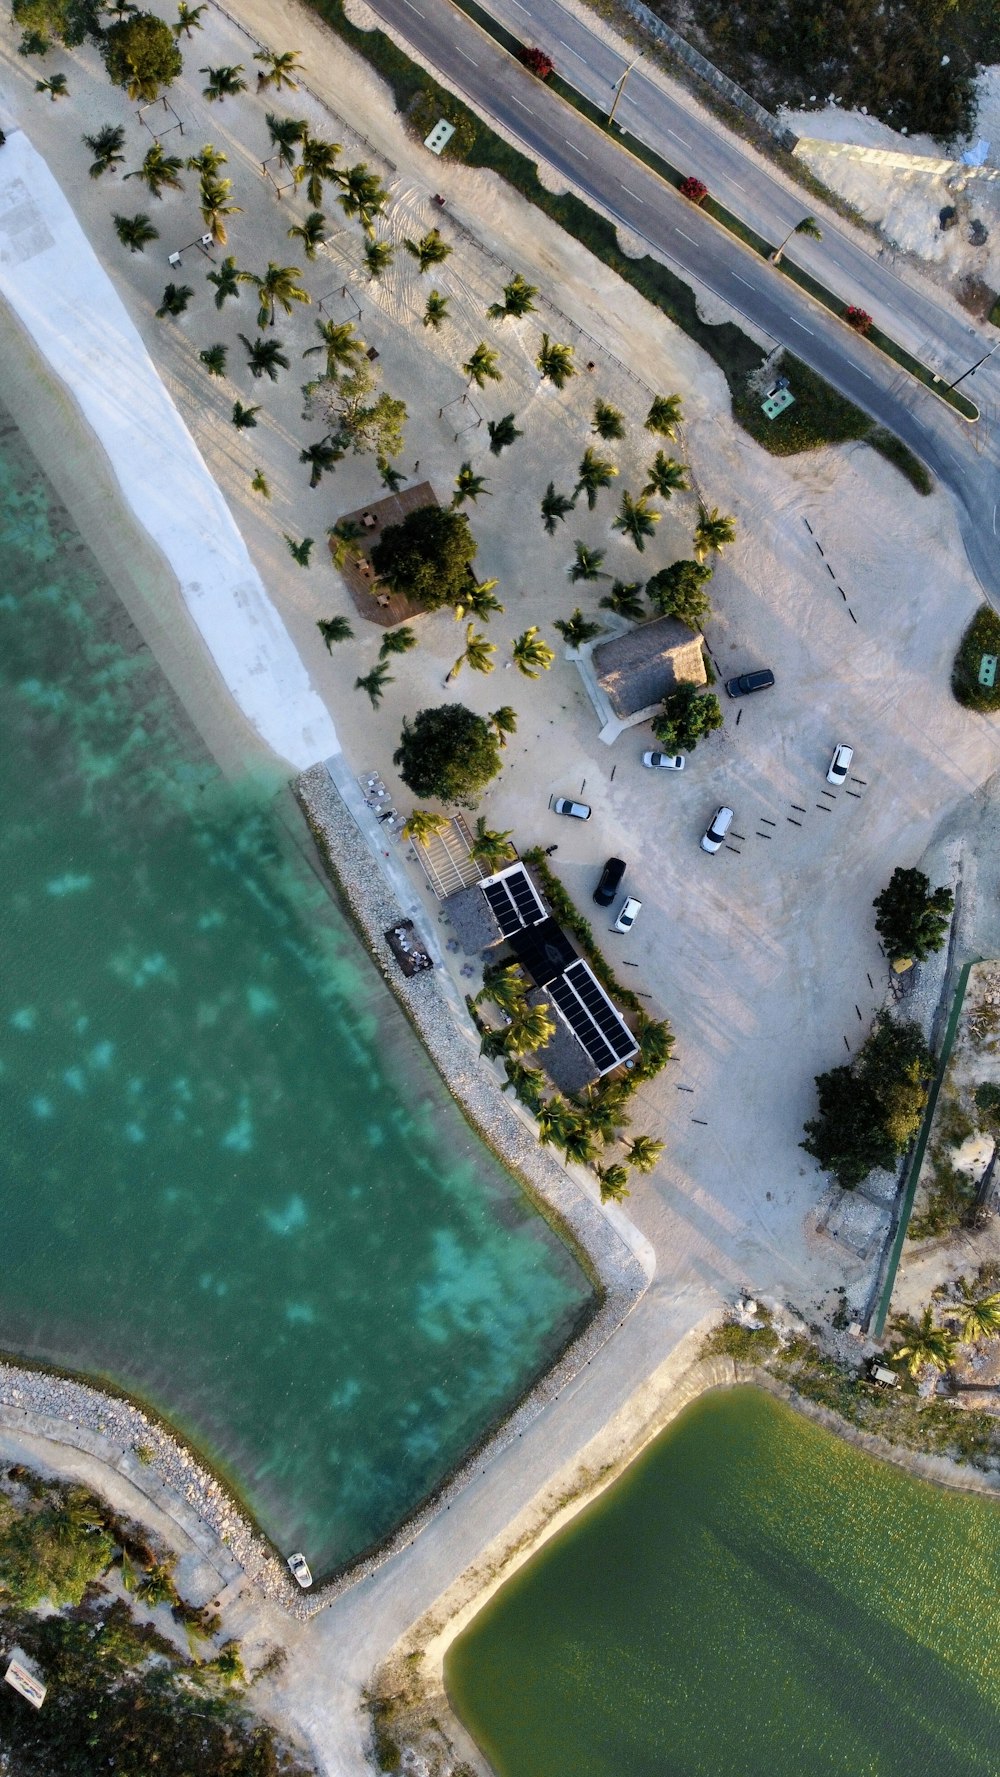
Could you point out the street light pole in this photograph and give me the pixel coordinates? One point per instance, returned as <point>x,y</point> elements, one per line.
<point>620,88</point>
<point>974,367</point>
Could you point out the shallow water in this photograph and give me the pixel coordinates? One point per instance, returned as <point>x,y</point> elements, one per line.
<point>232,1180</point>
<point>755,1597</point>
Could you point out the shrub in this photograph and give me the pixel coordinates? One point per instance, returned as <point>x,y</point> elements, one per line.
<point>870,1111</point>
<point>987,1097</point>
<point>902,458</point>
<point>747,1345</point>
<point>428,107</point>
<point>536,61</point>
<point>857,318</point>
<point>981,637</point>
<point>695,190</point>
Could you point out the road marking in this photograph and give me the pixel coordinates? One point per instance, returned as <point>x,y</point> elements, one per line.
<point>461,52</point>
<point>521,8</point>
<point>740,280</point>
<point>522,104</point>
<point>578,151</point>
<point>678,138</point>
<point>864,373</point>
<point>994,521</point>
<point>641,200</point>
<point>415,9</point>
<point>688,237</point>
<point>801,324</point>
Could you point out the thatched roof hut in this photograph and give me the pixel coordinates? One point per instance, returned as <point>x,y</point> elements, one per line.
<point>637,670</point>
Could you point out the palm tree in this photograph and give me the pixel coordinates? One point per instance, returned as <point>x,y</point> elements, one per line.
<point>978,1316</point>
<point>644,1152</point>
<point>492,847</point>
<point>227,281</point>
<point>518,300</point>
<point>188,20</point>
<point>322,456</point>
<point>279,284</point>
<point>310,232</point>
<point>664,415</point>
<point>922,1344</point>
<point>223,83</point>
<point>494,1044</point>
<point>469,486</point>
<point>636,520</point>
<point>375,682</point>
<point>391,477</point>
<point>299,552</point>
<point>502,432</point>
<point>595,472</point>
<point>214,359</point>
<point>587,564</point>
<point>135,232</point>
<point>475,654</point>
<point>555,362</point>
<point>334,629</point>
<point>576,630</point>
<point>625,600</point>
<point>397,641</point>
<point>554,1118</point>
<point>363,195</point>
<point>175,300</point>
<point>481,366</point>
<point>156,1585</point>
<point>317,163</point>
<point>666,477</point>
<point>808,226</point>
<point>531,654</point>
<point>286,133</point>
<point>435,310</point>
<point>531,1028</point>
<point>503,722</point>
<point>424,823</point>
<point>479,602</point>
<point>656,1045</point>
<point>608,423</point>
<point>56,86</point>
<point>429,250</point>
<point>554,507</point>
<point>207,162</point>
<point>343,538</point>
<point>613,1181</point>
<point>260,484</point>
<point>213,201</point>
<point>712,531</point>
<point>379,255</point>
<point>528,1084</point>
<point>277,69</point>
<point>605,1114</point>
<point>106,147</point>
<point>578,1143</point>
<point>159,170</point>
<point>264,357</point>
<point>344,350</point>
<point>244,418</point>
<point>505,989</point>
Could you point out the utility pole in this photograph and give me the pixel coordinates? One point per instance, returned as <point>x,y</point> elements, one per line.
<point>974,367</point>
<point>620,88</point>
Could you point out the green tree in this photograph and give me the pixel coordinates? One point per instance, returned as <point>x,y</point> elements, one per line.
<point>607,422</point>
<point>435,310</point>
<point>344,538</point>
<point>554,507</point>
<point>260,484</point>
<point>322,456</point>
<point>227,281</point>
<point>978,1315</point>
<point>423,824</point>
<point>595,472</point>
<point>56,86</point>
<point>175,300</point>
<point>286,133</point>
<point>397,641</point>
<point>664,416</point>
<point>311,232</point>
<point>188,20</point>
<point>478,601</point>
<point>636,519</point>
<point>530,1028</point>
<point>469,486</point>
<point>870,1110</point>
<point>375,682</point>
<point>214,359</point>
<point>448,754</point>
<point>427,558</point>
<point>299,552</point>
<point>135,232</point>
<point>555,1119</point>
<point>317,164</point>
<point>362,195</point>
<point>528,1084</point>
<point>265,357</point>
<point>679,591</point>
<point>159,170</point>
<point>687,716</point>
<point>808,226</point>
<point>644,1153</point>
<point>922,1344</point>
<point>365,424</point>
<point>504,988</point>
<point>476,654</point>
<point>53,1553</point>
<point>141,55</point>
<point>277,69</point>
<point>531,654</point>
<point>503,722</point>
<point>341,346</point>
<point>106,148</point>
<point>379,256</point>
<point>577,630</point>
<point>586,564</point>
<point>244,418</point>
<point>279,285</point>
<point>502,433</point>
<point>613,1181</point>
<point>656,1046</point>
<point>44,22</point>
<point>712,531</point>
<point>518,299</point>
<point>492,847</point>
<point>555,362</point>
<point>334,629</point>
<point>666,477</point>
<point>624,600</point>
<point>579,1145</point>
<point>911,918</point>
<point>482,366</point>
<point>429,250</point>
<point>392,478</point>
<point>223,83</point>
<point>216,207</point>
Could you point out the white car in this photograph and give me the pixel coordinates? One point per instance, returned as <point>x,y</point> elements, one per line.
<point>300,1568</point>
<point>717,829</point>
<point>580,811</point>
<point>664,761</point>
<point>627,917</point>
<point>840,765</point>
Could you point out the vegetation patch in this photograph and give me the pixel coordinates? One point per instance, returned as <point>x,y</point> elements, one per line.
<point>981,637</point>
<point>871,1110</point>
<point>902,458</point>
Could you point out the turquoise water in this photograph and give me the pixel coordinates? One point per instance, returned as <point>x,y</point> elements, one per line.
<point>755,1598</point>
<point>232,1180</point>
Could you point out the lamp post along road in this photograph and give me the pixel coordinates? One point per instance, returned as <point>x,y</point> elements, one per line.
<point>974,367</point>
<point>620,88</point>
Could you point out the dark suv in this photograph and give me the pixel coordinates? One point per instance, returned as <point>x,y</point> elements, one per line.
<point>747,682</point>
<point>611,876</point>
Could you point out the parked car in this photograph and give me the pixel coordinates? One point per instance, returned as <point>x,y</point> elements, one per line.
<point>840,764</point>
<point>664,761</point>
<point>717,829</point>
<point>580,811</point>
<point>747,682</point>
<point>627,917</point>
<point>611,876</point>
<point>300,1568</point>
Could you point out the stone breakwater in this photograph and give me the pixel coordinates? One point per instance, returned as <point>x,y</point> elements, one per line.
<point>120,1434</point>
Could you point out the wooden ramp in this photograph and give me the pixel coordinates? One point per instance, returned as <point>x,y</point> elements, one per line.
<point>447,860</point>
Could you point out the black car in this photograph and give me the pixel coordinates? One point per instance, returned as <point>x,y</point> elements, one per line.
<point>611,876</point>
<point>747,682</point>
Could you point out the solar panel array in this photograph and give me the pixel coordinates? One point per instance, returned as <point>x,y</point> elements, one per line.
<point>514,899</point>
<point>592,1018</point>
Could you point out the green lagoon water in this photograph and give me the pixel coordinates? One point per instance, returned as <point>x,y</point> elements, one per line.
<point>755,1598</point>
<point>231,1179</point>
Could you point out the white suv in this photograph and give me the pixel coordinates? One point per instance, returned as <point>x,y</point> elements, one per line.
<point>716,832</point>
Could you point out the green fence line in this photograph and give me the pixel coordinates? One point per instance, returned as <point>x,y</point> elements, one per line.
<point>918,1157</point>
<point>732,223</point>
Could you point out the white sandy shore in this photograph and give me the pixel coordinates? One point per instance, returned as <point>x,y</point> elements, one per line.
<point>59,291</point>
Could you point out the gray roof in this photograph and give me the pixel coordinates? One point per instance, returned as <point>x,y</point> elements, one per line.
<point>636,670</point>
<point>562,1058</point>
<point>472,920</point>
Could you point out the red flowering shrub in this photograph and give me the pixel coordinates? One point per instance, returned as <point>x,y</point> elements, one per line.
<point>858,319</point>
<point>695,190</point>
<point>537,61</point>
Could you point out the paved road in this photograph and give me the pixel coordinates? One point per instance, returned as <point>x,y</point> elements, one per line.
<point>966,459</point>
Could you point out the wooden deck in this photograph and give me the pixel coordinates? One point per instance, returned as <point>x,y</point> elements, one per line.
<point>374,602</point>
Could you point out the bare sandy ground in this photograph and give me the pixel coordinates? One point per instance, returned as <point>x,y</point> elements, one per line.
<point>762,956</point>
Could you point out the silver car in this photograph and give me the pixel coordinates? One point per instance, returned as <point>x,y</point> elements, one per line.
<point>580,811</point>
<point>300,1568</point>
<point>664,761</point>
<point>717,829</point>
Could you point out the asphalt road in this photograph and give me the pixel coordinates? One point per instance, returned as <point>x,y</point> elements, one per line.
<point>965,458</point>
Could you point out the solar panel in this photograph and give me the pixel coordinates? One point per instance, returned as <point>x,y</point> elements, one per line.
<point>592,1018</point>
<point>514,899</point>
